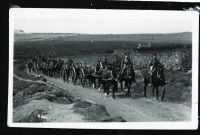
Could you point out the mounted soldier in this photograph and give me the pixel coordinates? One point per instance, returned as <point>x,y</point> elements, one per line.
<point>155,77</point>
<point>30,66</point>
<point>114,81</point>
<point>117,63</point>
<point>68,69</point>
<point>104,61</point>
<point>69,62</point>
<point>126,62</point>
<point>153,67</point>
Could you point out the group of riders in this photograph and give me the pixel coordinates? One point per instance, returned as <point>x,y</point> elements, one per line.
<point>104,73</point>
<point>47,64</point>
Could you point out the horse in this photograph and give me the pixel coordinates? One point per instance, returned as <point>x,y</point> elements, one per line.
<point>89,75</point>
<point>50,67</point>
<point>30,66</point>
<point>66,72</point>
<point>78,73</point>
<point>33,66</point>
<point>127,75</point>
<point>110,78</point>
<point>41,68</point>
<point>58,68</point>
<point>98,75</point>
<point>158,80</point>
<point>81,75</point>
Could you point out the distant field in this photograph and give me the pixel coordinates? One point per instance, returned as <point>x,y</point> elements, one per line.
<point>184,37</point>
<point>27,45</point>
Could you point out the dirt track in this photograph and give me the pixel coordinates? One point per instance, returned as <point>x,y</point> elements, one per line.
<point>131,109</point>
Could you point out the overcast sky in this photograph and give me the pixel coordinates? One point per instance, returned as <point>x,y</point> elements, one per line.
<point>101,21</point>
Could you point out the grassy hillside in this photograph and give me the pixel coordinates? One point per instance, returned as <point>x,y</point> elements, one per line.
<point>184,37</point>
<point>73,44</point>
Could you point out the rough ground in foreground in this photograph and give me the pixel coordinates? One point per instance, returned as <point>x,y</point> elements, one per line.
<point>35,101</point>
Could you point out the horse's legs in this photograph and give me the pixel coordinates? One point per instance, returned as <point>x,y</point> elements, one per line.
<point>125,85</point>
<point>114,88</point>
<point>145,90</point>
<point>85,81</point>
<point>107,87</point>
<point>59,72</point>
<point>75,80</point>
<point>67,77</point>
<point>163,95</point>
<point>50,73</point>
<point>157,92</point>
<point>93,81</point>
<point>38,71</point>
<point>89,81</point>
<point>64,76</point>
<point>104,86</point>
<point>153,88</point>
<point>121,83</point>
<point>43,71</point>
<point>129,87</point>
<point>82,81</point>
<point>29,70</point>
<point>99,83</point>
<point>54,73</point>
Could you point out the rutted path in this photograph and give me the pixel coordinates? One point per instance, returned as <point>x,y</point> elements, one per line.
<point>131,109</point>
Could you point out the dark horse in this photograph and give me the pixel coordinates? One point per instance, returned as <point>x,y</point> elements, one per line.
<point>88,75</point>
<point>77,73</point>
<point>97,76</point>
<point>128,76</point>
<point>158,79</point>
<point>110,78</point>
<point>66,72</point>
<point>58,68</point>
<point>30,66</point>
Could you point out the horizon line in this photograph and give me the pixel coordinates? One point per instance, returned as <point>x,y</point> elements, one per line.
<point>97,33</point>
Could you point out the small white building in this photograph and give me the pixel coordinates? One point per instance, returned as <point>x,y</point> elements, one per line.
<point>19,31</point>
<point>141,46</point>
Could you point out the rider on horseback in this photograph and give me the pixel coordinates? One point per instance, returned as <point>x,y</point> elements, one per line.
<point>104,61</point>
<point>126,62</point>
<point>153,67</point>
<point>116,62</point>
<point>70,61</point>
<point>85,67</point>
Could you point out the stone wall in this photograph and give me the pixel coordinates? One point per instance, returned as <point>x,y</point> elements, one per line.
<point>173,60</point>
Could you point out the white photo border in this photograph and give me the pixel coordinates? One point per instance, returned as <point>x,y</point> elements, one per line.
<point>193,124</point>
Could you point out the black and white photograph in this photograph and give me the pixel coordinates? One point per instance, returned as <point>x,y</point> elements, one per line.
<point>103,68</point>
